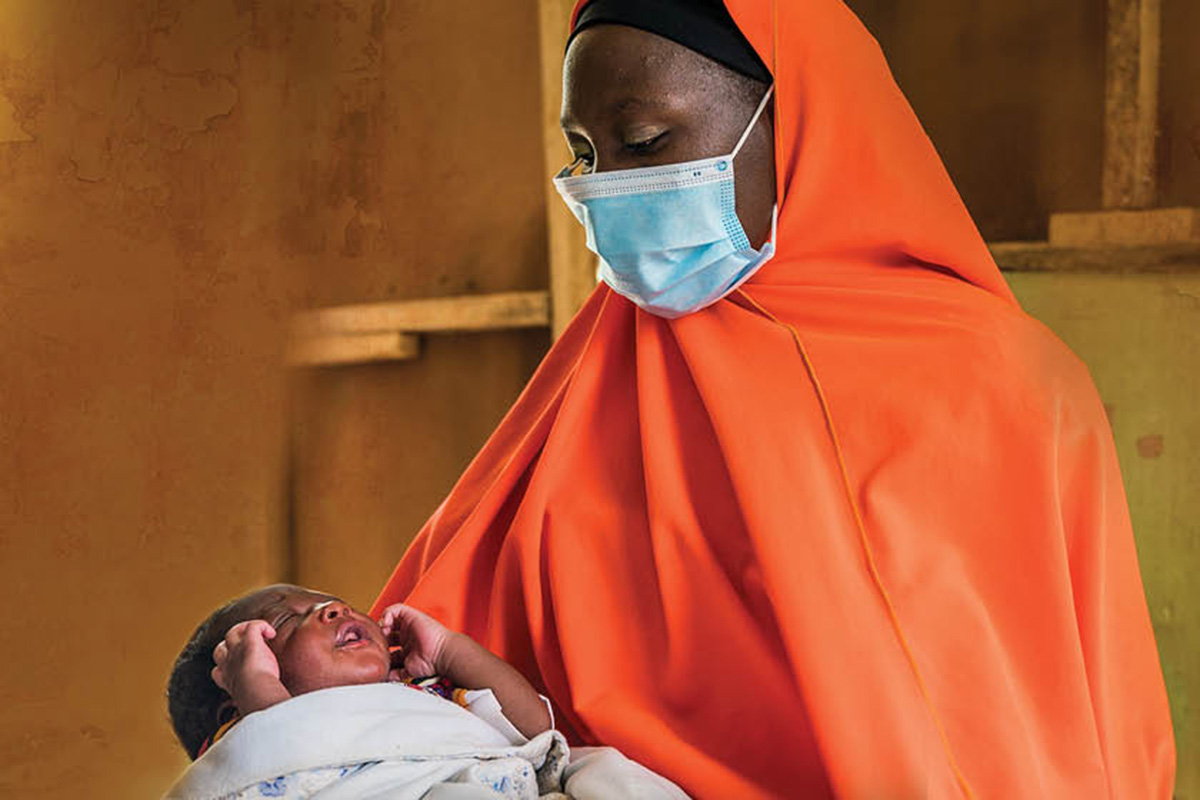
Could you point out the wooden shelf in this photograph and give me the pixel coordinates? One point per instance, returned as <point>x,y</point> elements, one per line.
<point>1126,227</point>
<point>485,312</point>
<point>1045,257</point>
<point>360,348</point>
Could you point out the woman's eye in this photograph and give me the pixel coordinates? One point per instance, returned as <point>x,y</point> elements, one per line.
<point>645,146</point>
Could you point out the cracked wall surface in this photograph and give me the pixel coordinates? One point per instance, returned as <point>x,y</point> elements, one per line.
<point>141,435</point>
<point>176,177</point>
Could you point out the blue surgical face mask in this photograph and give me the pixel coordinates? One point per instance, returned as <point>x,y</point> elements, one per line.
<point>669,237</point>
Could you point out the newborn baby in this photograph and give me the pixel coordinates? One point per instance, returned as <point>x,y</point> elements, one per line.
<point>287,692</point>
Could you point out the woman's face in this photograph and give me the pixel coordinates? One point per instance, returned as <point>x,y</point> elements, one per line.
<point>634,99</point>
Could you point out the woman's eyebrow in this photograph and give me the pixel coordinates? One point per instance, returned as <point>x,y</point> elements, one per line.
<point>632,102</point>
<point>619,106</point>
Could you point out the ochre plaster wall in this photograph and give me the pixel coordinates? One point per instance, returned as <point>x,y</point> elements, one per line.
<point>1179,142</point>
<point>142,438</point>
<point>1012,94</point>
<point>175,178</point>
<point>437,188</point>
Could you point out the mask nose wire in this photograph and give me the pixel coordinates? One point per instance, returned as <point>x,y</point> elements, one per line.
<point>762,104</point>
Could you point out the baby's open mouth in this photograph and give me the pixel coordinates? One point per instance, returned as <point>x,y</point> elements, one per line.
<point>351,634</point>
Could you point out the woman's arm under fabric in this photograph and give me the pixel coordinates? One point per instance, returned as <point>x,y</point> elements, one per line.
<point>1124,676</point>
<point>472,666</point>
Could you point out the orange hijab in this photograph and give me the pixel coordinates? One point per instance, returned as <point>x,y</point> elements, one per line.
<point>857,530</point>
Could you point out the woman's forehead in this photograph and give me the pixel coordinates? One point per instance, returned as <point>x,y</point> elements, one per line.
<point>618,68</point>
<point>618,55</point>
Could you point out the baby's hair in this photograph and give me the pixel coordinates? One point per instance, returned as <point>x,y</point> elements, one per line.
<point>194,700</point>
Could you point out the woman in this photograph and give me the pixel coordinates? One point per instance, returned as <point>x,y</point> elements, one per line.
<point>802,503</point>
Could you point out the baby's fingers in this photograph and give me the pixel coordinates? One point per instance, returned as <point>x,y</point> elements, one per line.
<point>395,619</point>
<point>220,657</point>
<point>218,677</point>
<point>244,630</point>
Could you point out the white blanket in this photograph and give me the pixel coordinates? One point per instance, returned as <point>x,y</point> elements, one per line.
<point>389,741</point>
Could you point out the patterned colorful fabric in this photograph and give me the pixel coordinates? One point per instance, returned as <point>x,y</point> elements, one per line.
<point>216,737</point>
<point>441,687</point>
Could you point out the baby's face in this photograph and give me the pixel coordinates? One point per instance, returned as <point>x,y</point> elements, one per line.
<point>320,641</point>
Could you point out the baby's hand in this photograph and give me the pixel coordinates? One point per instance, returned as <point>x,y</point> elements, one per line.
<point>246,668</point>
<point>422,640</point>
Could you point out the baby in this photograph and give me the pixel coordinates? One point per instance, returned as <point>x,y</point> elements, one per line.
<point>286,692</point>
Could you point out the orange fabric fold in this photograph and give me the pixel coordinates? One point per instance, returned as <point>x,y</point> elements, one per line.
<point>857,530</point>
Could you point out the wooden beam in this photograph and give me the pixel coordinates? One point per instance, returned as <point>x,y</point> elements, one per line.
<point>1045,257</point>
<point>1125,228</point>
<point>1134,56</point>
<point>486,312</point>
<point>359,348</point>
<point>572,266</point>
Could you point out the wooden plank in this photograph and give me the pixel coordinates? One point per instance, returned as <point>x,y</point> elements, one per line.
<point>360,348</point>
<point>1131,103</point>
<point>572,265</point>
<point>1156,226</point>
<point>1044,257</point>
<point>487,312</point>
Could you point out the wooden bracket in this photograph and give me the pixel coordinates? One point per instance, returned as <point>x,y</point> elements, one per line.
<point>372,332</point>
<point>1046,257</point>
<point>362,348</point>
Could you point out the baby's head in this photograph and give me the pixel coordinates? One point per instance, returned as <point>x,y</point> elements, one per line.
<point>319,642</point>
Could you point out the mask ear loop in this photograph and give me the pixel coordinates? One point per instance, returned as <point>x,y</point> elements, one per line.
<point>762,104</point>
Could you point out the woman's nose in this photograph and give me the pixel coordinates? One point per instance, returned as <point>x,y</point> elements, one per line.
<point>334,610</point>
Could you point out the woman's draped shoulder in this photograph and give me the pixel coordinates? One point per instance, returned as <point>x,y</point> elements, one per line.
<point>857,530</point>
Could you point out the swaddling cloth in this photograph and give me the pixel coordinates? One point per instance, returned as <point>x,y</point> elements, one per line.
<point>384,740</point>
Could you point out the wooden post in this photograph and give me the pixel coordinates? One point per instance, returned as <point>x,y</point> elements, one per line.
<point>1131,103</point>
<point>572,266</point>
<point>1130,180</point>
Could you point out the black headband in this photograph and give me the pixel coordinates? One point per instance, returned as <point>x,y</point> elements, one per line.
<point>701,25</point>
